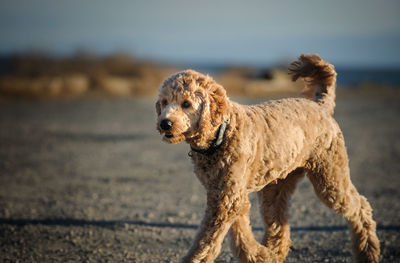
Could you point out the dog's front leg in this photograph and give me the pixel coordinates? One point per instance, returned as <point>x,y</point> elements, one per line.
<point>223,205</point>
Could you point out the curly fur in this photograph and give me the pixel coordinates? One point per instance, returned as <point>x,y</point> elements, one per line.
<point>279,140</point>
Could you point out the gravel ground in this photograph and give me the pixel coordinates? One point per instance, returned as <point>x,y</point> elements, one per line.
<point>89,180</point>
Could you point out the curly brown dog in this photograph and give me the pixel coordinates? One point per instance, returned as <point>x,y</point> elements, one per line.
<point>267,148</point>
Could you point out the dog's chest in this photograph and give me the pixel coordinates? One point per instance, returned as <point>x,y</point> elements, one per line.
<point>208,169</point>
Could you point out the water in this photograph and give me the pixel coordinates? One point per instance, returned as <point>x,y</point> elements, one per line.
<point>374,76</point>
<point>346,76</point>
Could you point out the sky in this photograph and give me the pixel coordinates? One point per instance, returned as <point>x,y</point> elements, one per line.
<point>359,33</point>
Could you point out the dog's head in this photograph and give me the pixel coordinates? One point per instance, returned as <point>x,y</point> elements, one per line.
<point>190,107</point>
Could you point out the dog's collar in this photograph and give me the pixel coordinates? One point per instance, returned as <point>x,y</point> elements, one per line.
<point>216,143</point>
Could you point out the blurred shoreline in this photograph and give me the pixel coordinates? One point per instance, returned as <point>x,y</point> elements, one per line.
<point>42,76</point>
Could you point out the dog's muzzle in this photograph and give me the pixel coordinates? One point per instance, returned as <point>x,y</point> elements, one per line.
<point>166,125</point>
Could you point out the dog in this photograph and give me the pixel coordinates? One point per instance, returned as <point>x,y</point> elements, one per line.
<point>266,148</point>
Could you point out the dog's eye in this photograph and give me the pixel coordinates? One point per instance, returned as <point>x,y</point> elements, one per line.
<point>186,104</point>
<point>164,102</point>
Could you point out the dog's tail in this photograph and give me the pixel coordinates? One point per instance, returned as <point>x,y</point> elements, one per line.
<point>319,77</point>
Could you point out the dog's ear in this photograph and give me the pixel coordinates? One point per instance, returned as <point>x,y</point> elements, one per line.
<point>214,109</point>
<point>205,120</point>
<point>218,104</point>
<point>158,108</point>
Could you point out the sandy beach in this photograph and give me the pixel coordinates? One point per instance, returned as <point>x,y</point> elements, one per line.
<point>89,180</point>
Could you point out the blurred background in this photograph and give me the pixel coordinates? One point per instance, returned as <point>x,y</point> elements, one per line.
<point>84,175</point>
<point>69,48</point>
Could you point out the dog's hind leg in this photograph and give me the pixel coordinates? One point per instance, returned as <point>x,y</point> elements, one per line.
<point>329,174</point>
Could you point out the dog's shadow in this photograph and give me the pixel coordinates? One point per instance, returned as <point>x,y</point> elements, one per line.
<point>116,223</point>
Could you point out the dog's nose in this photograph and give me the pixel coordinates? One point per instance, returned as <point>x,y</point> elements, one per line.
<point>166,124</point>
